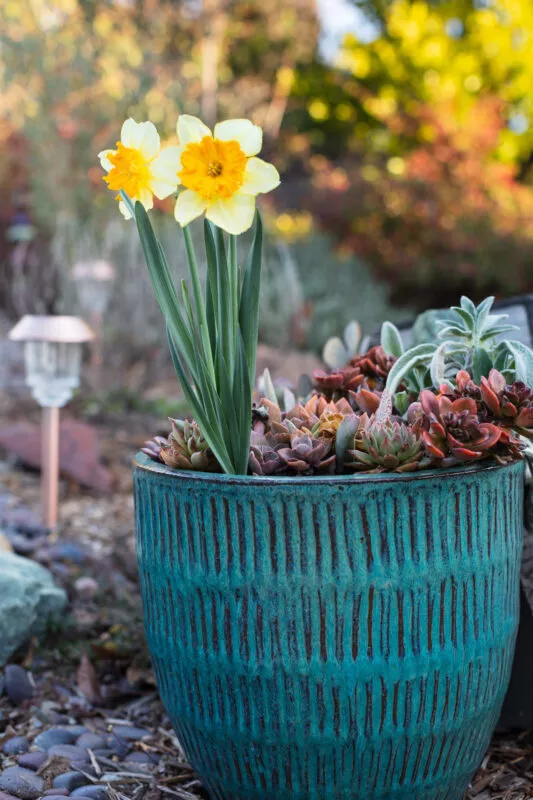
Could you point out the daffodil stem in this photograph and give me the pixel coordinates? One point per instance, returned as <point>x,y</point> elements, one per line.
<point>234,283</point>
<point>199,301</point>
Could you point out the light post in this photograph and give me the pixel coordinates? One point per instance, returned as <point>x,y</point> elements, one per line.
<point>52,353</point>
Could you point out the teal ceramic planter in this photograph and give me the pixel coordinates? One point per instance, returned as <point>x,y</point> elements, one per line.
<point>332,638</point>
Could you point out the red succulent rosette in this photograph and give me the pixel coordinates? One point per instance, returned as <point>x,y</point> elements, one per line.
<point>510,404</point>
<point>453,428</point>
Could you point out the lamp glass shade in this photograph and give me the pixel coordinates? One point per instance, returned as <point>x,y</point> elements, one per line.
<point>52,371</point>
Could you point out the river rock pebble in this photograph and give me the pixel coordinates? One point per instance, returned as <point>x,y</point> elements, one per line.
<point>16,746</point>
<point>17,684</point>
<point>95,792</point>
<point>70,751</point>
<point>91,741</point>
<point>130,733</point>
<point>33,760</point>
<point>104,752</point>
<point>23,783</point>
<point>119,747</point>
<point>83,766</point>
<point>69,781</point>
<point>4,796</point>
<point>68,551</point>
<point>140,758</point>
<point>53,736</point>
<point>86,588</point>
<point>78,730</point>
<point>55,796</point>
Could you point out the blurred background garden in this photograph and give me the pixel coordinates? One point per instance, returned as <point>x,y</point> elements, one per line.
<point>401,130</point>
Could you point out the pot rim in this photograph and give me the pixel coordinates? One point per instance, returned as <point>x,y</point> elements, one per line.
<point>147,464</point>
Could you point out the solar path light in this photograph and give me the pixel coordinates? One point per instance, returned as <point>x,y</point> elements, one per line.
<point>52,353</point>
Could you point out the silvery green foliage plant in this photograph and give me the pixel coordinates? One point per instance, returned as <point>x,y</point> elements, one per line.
<point>468,337</point>
<point>337,352</point>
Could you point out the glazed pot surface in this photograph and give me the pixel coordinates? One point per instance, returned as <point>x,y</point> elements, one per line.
<point>332,638</point>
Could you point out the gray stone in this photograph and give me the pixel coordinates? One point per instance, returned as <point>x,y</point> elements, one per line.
<point>95,792</point>
<point>17,684</point>
<point>91,740</point>
<point>69,751</point>
<point>15,746</point>
<point>22,782</point>
<point>69,781</point>
<point>130,732</point>
<point>53,736</point>
<point>104,752</point>
<point>4,796</point>
<point>78,730</point>
<point>119,747</point>
<point>33,760</point>
<point>140,758</point>
<point>84,766</point>
<point>68,551</point>
<point>22,544</point>
<point>28,598</point>
<point>53,793</point>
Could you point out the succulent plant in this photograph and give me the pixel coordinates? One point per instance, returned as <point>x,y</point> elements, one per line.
<point>309,455</point>
<point>264,456</point>
<point>454,431</point>
<point>375,366</point>
<point>328,424</point>
<point>316,412</point>
<point>337,352</point>
<point>153,447</point>
<point>469,338</point>
<point>511,405</point>
<point>367,401</point>
<point>338,382</point>
<point>186,448</point>
<point>391,446</point>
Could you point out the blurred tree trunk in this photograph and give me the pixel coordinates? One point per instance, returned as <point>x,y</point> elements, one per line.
<point>215,22</point>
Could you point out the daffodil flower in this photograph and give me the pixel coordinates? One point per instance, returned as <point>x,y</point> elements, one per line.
<point>139,167</point>
<point>220,173</point>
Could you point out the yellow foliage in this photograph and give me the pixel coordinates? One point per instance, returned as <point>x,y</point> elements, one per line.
<point>451,51</point>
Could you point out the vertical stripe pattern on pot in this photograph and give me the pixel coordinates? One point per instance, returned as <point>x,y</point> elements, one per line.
<point>323,640</point>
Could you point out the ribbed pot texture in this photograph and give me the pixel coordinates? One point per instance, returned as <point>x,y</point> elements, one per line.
<point>332,638</point>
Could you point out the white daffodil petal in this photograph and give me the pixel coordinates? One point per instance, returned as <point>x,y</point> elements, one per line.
<point>123,208</point>
<point>150,142</point>
<point>234,214</point>
<point>132,133</point>
<point>248,135</point>
<point>259,177</point>
<point>162,189</point>
<point>189,206</point>
<point>167,164</point>
<point>191,129</point>
<point>104,160</point>
<point>146,198</point>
